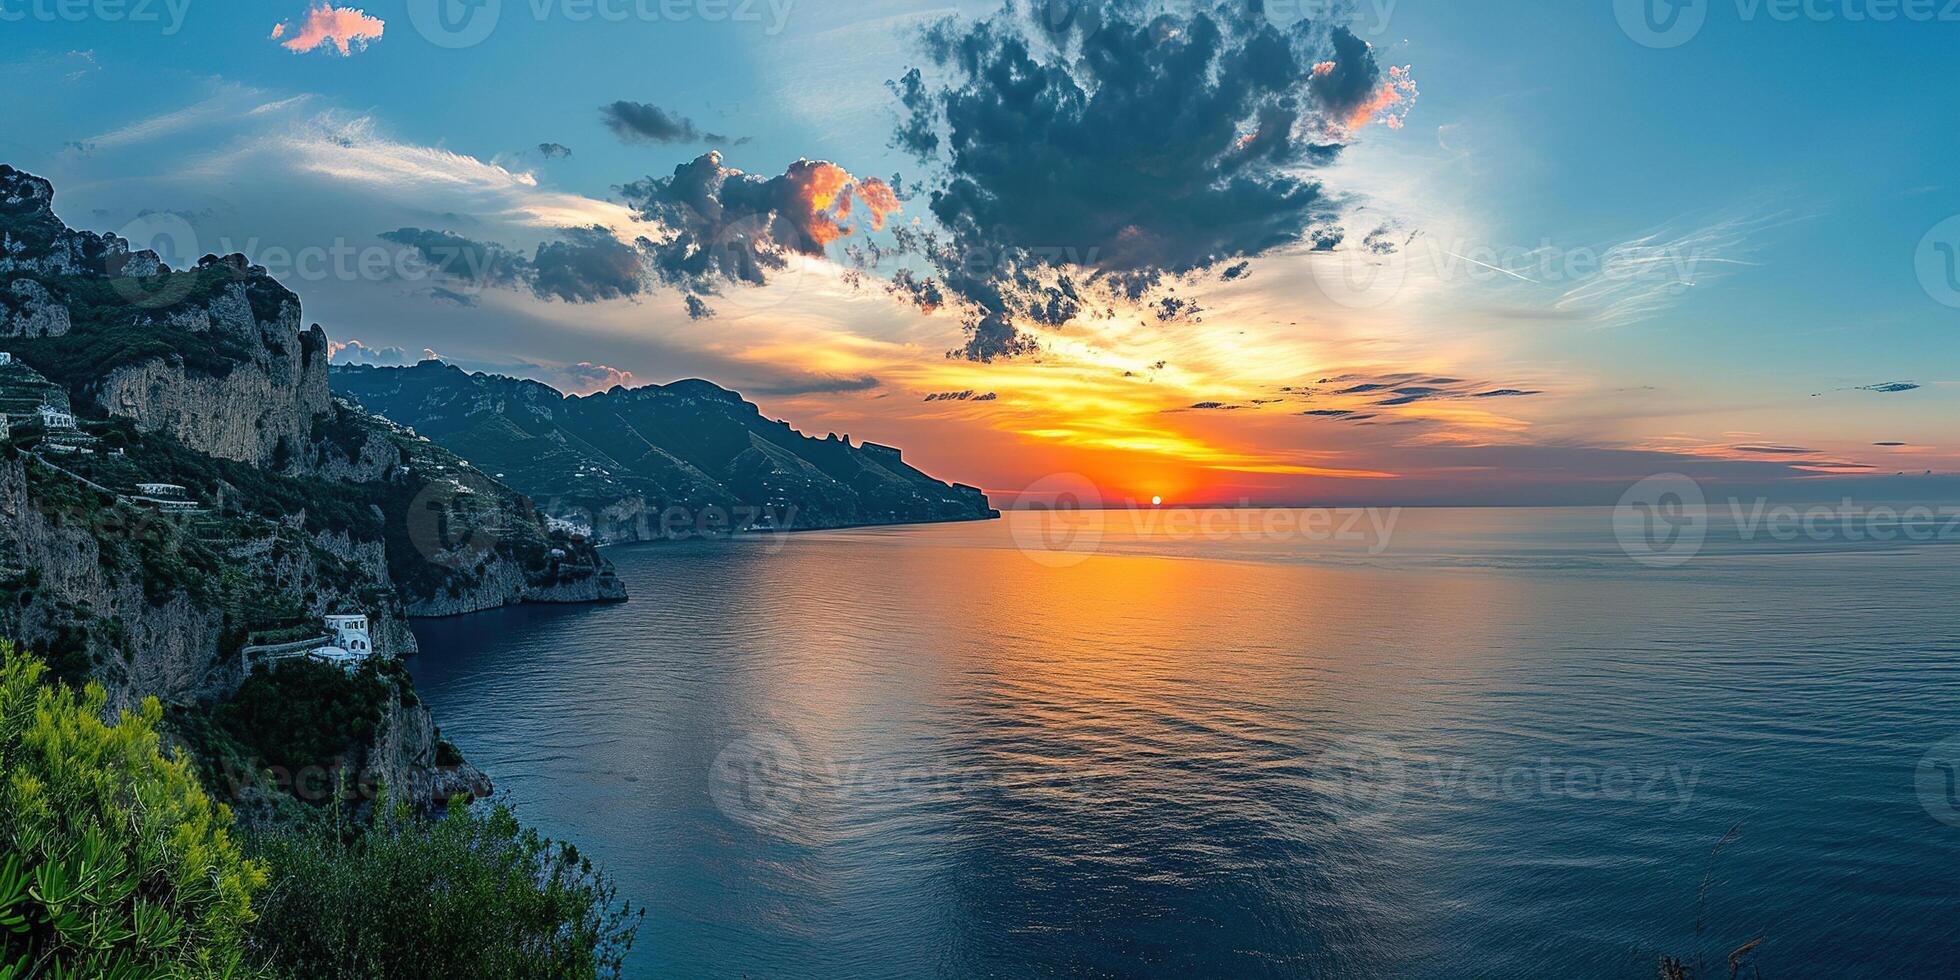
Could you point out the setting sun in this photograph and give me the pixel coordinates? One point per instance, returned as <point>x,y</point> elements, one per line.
<point>1156,501</point>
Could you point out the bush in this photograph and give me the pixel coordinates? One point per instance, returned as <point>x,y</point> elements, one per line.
<point>471,894</point>
<point>116,864</point>
<point>300,714</point>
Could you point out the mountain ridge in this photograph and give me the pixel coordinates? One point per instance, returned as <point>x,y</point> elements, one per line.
<point>656,462</point>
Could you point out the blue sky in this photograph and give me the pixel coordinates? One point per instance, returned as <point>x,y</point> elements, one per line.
<point>1788,171</point>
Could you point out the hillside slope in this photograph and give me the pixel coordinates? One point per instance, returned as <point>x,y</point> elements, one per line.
<point>656,462</point>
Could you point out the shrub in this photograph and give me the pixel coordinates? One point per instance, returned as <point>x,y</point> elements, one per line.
<point>301,715</point>
<point>403,895</point>
<point>116,864</point>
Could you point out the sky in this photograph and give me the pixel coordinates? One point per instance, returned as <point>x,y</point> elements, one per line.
<point>1396,251</point>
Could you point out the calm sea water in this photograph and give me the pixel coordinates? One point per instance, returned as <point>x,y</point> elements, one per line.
<point>1482,743</point>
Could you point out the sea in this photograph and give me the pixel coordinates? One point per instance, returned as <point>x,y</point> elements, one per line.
<point>1254,743</point>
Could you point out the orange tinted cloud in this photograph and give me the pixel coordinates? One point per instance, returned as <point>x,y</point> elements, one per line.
<point>346,28</point>
<point>1391,102</point>
<point>828,191</point>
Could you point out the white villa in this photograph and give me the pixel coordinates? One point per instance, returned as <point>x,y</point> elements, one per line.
<point>351,645</point>
<point>6,358</point>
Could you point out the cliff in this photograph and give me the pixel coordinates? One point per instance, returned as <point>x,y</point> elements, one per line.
<point>285,503</point>
<point>662,461</point>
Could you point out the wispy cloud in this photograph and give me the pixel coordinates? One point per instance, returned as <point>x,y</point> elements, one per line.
<point>1644,276</point>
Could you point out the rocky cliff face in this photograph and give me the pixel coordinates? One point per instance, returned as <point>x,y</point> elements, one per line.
<point>206,379</point>
<point>259,411</point>
<point>404,759</point>
<point>214,356</point>
<point>75,582</point>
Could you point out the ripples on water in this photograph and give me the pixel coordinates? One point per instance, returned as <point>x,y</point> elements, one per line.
<point>1496,748</point>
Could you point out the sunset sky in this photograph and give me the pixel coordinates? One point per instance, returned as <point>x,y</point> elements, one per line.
<point>1395,253</point>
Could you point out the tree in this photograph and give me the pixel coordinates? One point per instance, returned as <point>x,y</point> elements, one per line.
<point>116,864</point>
<point>470,894</point>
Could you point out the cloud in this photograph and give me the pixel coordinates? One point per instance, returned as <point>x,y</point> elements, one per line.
<point>585,265</point>
<point>554,151</point>
<point>462,259</point>
<point>819,385</point>
<point>588,265</point>
<point>720,225</point>
<point>86,59</point>
<point>966,395</point>
<point>641,122</point>
<point>1885,388</point>
<point>355,352</point>
<point>1640,278</point>
<point>348,29</point>
<point>585,377</point>
<point>1088,156</point>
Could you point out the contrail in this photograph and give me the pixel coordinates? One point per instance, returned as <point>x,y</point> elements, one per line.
<point>1492,268</point>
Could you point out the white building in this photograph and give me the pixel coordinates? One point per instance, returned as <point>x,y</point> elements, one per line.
<point>351,632</point>
<point>160,490</point>
<point>53,418</point>
<point>6,358</point>
<point>351,644</point>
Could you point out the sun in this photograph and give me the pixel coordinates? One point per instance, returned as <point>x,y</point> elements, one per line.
<point>1156,501</point>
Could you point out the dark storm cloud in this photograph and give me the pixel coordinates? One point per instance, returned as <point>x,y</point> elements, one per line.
<point>1346,82</point>
<point>1097,146</point>
<point>588,265</point>
<point>584,265</point>
<point>641,122</point>
<point>461,259</point>
<point>725,226</point>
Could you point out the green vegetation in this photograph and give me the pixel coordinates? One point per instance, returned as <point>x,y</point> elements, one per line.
<point>118,322</point>
<point>473,894</point>
<point>117,865</point>
<point>301,715</point>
